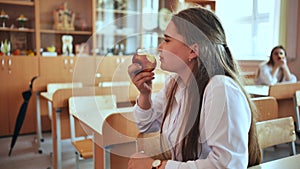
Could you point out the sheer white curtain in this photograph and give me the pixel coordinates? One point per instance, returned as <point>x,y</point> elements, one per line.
<point>252,26</point>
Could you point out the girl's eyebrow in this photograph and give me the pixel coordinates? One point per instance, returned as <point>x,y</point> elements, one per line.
<point>167,36</point>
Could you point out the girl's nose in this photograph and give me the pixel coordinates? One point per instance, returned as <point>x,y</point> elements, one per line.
<point>160,46</point>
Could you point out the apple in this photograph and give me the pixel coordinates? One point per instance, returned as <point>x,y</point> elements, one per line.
<point>17,52</point>
<point>51,48</point>
<point>147,61</point>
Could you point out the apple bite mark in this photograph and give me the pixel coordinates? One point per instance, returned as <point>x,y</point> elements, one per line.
<point>147,61</point>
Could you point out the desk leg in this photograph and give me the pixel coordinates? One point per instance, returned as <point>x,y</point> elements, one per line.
<point>39,123</point>
<point>98,153</point>
<point>107,156</point>
<point>296,114</point>
<point>50,109</point>
<point>56,138</point>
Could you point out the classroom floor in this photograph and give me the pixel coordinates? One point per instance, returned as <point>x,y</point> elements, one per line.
<point>25,154</point>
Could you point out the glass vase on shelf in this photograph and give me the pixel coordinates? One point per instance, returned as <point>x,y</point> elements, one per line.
<point>5,47</point>
<point>3,17</point>
<point>22,19</point>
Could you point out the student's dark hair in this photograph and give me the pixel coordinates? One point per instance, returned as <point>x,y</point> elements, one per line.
<point>271,61</point>
<point>201,26</point>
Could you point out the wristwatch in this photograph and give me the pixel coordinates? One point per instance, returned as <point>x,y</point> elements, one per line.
<point>156,164</point>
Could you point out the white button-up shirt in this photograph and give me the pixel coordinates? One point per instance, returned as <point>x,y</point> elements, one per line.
<point>224,124</point>
<point>265,76</point>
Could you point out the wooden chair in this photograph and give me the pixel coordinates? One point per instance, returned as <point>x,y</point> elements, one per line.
<point>267,108</point>
<point>297,106</point>
<point>53,87</point>
<point>276,131</point>
<point>119,139</point>
<point>84,145</point>
<point>284,93</point>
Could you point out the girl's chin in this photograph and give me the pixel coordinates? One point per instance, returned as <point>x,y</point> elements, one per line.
<point>163,67</point>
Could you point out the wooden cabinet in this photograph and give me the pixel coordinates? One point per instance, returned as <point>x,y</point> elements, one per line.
<point>66,69</point>
<point>106,27</point>
<point>4,112</point>
<point>16,73</point>
<point>18,27</point>
<point>112,68</point>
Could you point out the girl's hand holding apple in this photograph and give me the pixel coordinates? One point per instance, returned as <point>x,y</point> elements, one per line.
<point>141,71</point>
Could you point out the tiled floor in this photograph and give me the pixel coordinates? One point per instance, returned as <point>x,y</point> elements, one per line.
<point>26,156</point>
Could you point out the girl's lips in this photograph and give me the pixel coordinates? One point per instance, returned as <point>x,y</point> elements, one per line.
<point>160,59</point>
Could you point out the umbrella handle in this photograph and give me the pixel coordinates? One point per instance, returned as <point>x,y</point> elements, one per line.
<point>31,82</point>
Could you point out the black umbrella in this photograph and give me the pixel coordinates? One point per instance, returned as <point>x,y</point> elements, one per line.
<point>21,116</point>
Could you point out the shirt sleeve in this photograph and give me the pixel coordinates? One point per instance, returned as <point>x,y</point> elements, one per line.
<point>225,122</point>
<point>264,76</point>
<point>292,80</point>
<point>150,120</point>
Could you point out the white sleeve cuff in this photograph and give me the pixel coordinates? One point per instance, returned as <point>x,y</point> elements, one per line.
<point>172,164</point>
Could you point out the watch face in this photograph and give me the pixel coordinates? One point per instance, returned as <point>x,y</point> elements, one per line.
<point>156,163</point>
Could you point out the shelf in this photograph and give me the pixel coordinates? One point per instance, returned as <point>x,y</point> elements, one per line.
<point>117,11</point>
<point>117,34</point>
<point>51,31</point>
<point>17,30</point>
<point>14,2</point>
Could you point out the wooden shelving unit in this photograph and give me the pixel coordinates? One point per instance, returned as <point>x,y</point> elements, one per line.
<point>16,71</point>
<point>117,28</point>
<point>17,2</point>
<point>16,30</point>
<point>51,31</point>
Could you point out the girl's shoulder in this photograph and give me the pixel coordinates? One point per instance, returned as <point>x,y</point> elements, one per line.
<point>222,81</point>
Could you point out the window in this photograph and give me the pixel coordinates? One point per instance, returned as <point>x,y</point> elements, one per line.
<point>251,27</point>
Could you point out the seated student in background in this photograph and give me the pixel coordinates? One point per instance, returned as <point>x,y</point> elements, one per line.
<point>276,69</point>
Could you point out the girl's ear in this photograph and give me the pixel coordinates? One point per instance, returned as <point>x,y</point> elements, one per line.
<point>194,51</point>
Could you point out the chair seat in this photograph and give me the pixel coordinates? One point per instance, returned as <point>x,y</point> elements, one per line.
<point>84,147</point>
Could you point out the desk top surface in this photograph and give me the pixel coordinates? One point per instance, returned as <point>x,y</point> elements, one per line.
<point>291,162</point>
<point>47,95</point>
<point>259,90</point>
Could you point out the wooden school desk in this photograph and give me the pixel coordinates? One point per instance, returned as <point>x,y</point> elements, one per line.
<point>40,85</point>
<point>60,116</point>
<point>283,92</point>
<point>291,162</point>
<point>114,131</point>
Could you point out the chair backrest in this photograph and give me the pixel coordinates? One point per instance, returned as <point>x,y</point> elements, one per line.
<point>52,87</point>
<point>275,131</point>
<point>284,90</point>
<point>297,106</point>
<point>87,103</point>
<point>113,84</point>
<point>119,128</point>
<point>267,108</point>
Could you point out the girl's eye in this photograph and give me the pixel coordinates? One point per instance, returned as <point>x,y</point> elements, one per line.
<point>166,40</point>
